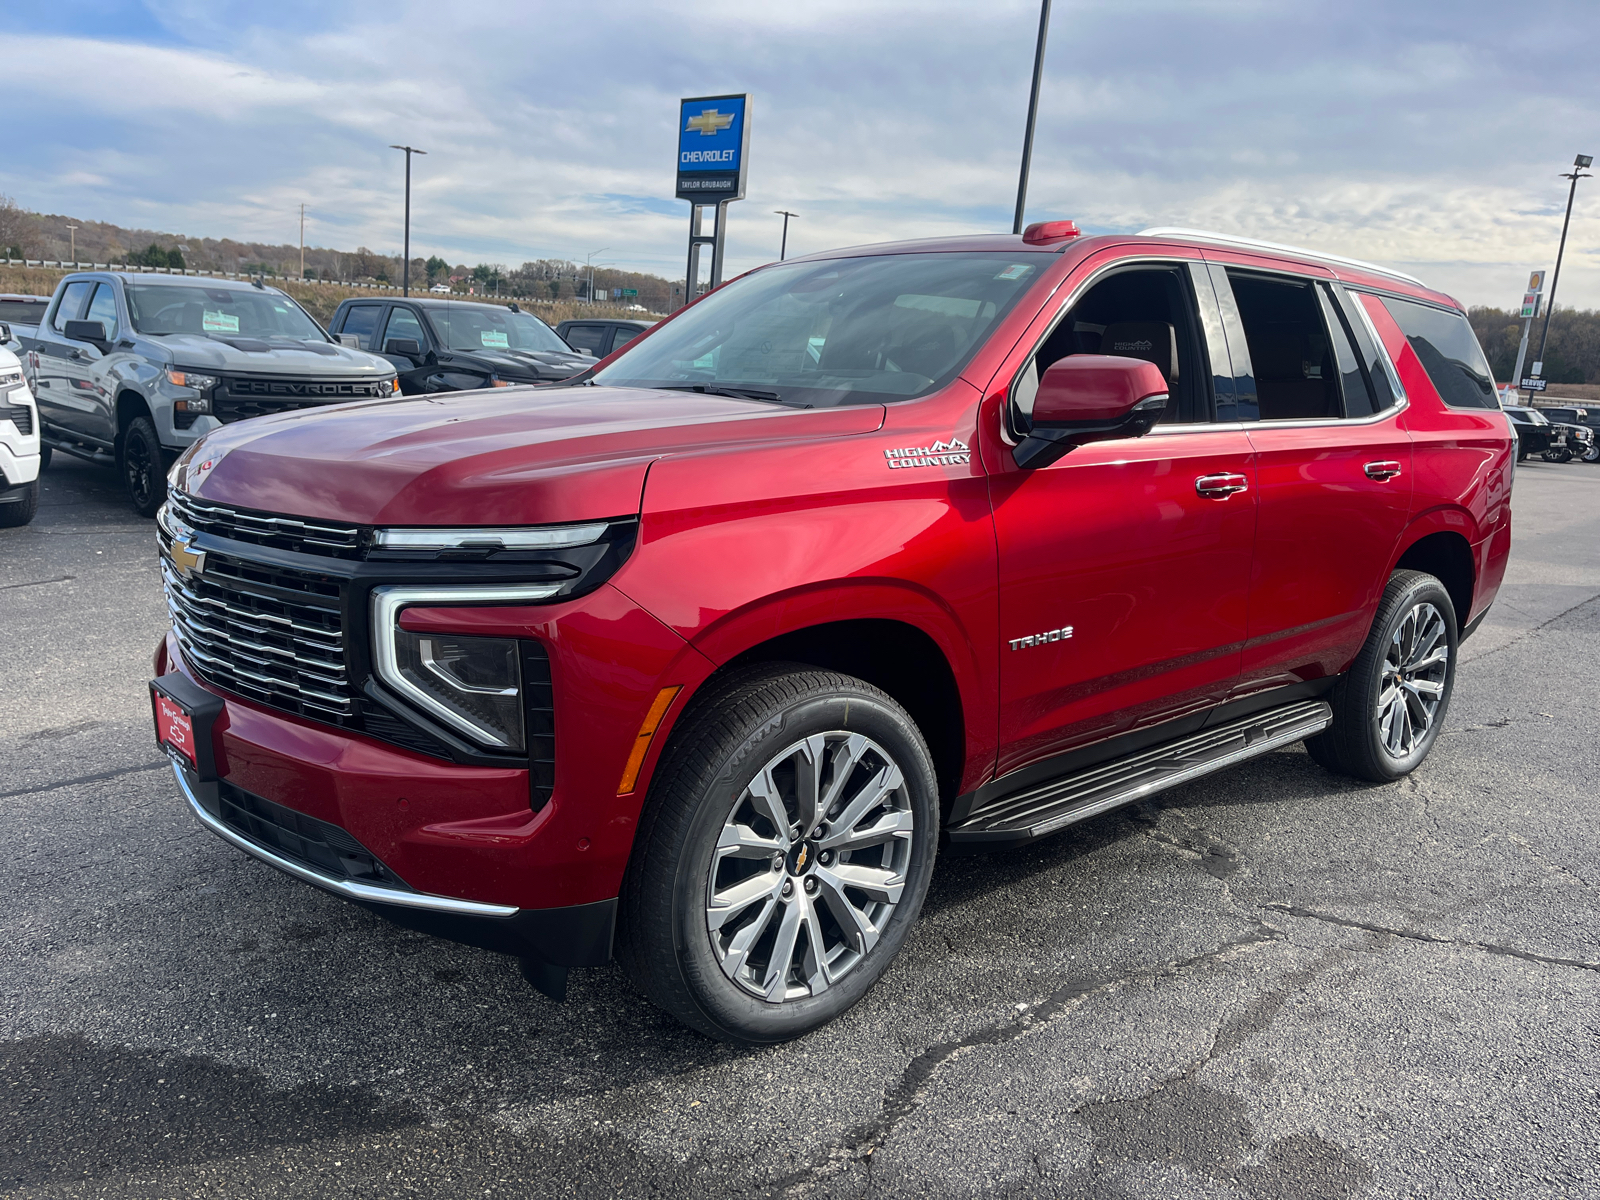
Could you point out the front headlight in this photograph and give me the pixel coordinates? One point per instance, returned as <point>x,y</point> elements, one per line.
<point>472,684</point>
<point>190,379</point>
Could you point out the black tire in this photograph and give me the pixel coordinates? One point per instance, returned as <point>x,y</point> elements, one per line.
<point>15,514</point>
<point>45,453</point>
<point>144,471</point>
<point>730,735</point>
<point>1591,452</point>
<point>1356,743</point>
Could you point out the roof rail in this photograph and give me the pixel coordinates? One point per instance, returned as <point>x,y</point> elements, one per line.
<point>1228,239</point>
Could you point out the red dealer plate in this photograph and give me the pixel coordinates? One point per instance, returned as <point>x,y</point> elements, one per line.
<point>174,728</point>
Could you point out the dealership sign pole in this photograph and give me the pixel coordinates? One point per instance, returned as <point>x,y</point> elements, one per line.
<point>713,147</point>
<point>1530,310</point>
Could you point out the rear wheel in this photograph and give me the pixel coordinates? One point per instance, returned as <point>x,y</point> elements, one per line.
<point>783,855</point>
<point>1388,708</point>
<point>144,468</point>
<point>20,512</point>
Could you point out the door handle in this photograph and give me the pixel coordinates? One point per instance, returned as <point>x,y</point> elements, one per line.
<point>1220,487</point>
<point>1382,471</point>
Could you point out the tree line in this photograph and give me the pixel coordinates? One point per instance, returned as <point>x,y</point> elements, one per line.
<point>1571,356</point>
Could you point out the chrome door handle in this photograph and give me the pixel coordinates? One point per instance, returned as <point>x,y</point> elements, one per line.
<point>1382,470</point>
<point>1220,487</point>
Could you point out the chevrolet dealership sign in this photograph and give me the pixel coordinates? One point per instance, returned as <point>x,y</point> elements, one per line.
<point>713,141</point>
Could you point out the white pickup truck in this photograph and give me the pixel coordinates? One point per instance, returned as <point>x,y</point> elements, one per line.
<point>19,440</point>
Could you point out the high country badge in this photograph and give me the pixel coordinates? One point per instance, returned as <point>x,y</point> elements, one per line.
<point>953,453</point>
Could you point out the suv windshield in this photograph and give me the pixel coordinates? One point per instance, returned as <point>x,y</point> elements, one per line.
<point>842,331</point>
<point>484,327</point>
<point>219,312</point>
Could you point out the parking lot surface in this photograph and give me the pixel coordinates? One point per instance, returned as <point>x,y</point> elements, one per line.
<point>1270,983</point>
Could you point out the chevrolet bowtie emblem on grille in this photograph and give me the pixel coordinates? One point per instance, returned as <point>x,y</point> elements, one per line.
<point>709,122</point>
<point>188,561</point>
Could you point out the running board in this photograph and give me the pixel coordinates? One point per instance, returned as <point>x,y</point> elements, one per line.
<point>1045,808</point>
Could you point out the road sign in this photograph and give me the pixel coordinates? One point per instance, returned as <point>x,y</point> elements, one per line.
<point>1536,281</point>
<point>630,291</point>
<point>1530,305</point>
<point>1533,384</point>
<point>713,138</point>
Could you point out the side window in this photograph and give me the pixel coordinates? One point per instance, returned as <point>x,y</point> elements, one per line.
<point>586,337</point>
<point>1354,379</point>
<point>403,323</point>
<point>1383,393</point>
<point>1142,312</point>
<point>362,320</point>
<point>623,336</point>
<point>103,308</point>
<point>1449,352</point>
<point>1290,349</point>
<point>71,306</point>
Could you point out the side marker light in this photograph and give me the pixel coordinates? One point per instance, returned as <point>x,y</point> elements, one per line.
<point>647,731</point>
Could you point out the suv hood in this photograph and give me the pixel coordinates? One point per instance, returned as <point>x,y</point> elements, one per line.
<point>510,456</point>
<point>537,361</point>
<point>300,360</point>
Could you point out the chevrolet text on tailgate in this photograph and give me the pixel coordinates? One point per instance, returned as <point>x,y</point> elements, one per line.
<point>697,660</point>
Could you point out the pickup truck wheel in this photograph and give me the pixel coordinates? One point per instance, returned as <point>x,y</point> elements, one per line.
<point>44,456</point>
<point>143,467</point>
<point>783,854</point>
<point>20,512</point>
<point>1388,708</point>
<point>1591,452</point>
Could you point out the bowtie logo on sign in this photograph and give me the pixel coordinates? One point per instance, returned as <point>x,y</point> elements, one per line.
<point>708,123</point>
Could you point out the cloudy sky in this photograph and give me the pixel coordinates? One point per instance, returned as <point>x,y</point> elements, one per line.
<point>1423,134</point>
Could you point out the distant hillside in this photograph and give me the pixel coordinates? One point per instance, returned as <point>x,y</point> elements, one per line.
<point>1572,357</point>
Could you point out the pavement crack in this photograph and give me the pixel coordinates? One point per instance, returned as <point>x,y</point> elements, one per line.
<point>1412,935</point>
<point>1554,868</point>
<point>1528,633</point>
<point>6,587</point>
<point>103,775</point>
<point>906,1095</point>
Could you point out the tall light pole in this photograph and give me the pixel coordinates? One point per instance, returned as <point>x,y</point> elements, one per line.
<point>405,270</point>
<point>588,267</point>
<point>1033,115</point>
<point>302,242</point>
<point>1577,173</point>
<point>72,233</point>
<point>783,247</point>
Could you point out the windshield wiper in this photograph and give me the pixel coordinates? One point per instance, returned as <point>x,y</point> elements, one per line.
<point>717,389</point>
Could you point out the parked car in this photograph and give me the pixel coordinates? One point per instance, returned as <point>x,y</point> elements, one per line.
<point>600,338</point>
<point>454,345</point>
<point>130,370</point>
<point>1535,434</point>
<point>1587,418</point>
<point>1571,441</point>
<point>21,314</point>
<point>945,544</point>
<point>19,440</point>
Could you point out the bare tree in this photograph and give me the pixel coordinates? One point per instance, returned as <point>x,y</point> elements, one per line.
<point>19,229</point>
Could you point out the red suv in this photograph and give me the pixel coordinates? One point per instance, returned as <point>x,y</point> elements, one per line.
<point>699,659</point>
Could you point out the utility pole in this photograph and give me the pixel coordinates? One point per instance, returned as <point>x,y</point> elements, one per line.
<point>1577,173</point>
<point>405,269</point>
<point>302,242</point>
<point>1033,115</point>
<point>72,233</point>
<point>783,247</point>
<point>590,268</point>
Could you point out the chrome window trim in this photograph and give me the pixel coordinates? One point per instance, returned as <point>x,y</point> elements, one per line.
<point>1225,239</point>
<point>343,887</point>
<point>386,605</point>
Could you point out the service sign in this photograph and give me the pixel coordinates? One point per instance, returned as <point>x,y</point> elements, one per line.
<point>713,143</point>
<point>1534,385</point>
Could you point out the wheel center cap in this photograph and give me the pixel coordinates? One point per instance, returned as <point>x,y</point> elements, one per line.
<point>801,858</point>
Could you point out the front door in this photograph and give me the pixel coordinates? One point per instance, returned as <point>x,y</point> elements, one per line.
<point>1124,567</point>
<point>63,404</point>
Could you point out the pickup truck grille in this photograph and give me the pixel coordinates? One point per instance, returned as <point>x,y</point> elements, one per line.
<point>242,397</point>
<point>264,529</point>
<point>268,633</point>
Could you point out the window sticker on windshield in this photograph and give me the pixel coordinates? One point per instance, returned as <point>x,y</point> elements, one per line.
<point>1015,271</point>
<point>494,339</point>
<point>218,322</point>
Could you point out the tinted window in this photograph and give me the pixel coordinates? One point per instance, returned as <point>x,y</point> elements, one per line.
<point>623,336</point>
<point>1290,350</point>
<point>158,309</point>
<point>22,312</point>
<point>842,331</point>
<point>403,323</point>
<point>586,337</point>
<point>1354,380</point>
<point>362,320</point>
<point>1377,367</point>
<point>1449,353</point>
<point>71,306</point>
<point>103,308</point>
<point>487,327</point>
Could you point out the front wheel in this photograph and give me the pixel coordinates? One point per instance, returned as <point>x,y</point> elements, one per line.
<point>783,855</point>
<point>1388,708</point>
<point>1591,452</point>
<point>144,470</point>
<point>19,512</point>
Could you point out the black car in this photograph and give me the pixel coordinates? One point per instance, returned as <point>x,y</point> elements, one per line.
<point>1535,434</point>
<point>600,337</point>
<point>1586,418</point>
<point>440,345</point>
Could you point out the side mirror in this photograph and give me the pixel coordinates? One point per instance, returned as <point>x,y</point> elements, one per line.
<point>1091,398</point>
<point>5,332</point>
<point>93,332</point>
<point>403,347</point>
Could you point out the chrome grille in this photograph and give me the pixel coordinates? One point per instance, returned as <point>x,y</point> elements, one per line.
<point>266,529</point>
<point>270,634</point>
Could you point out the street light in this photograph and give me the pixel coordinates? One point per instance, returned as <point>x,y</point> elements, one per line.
<point>405,269</point>
<point>1577,173</point>
<point>72,232</point>
<point>1033,115</point>
<point>587,267</point>
<point>783,247</point>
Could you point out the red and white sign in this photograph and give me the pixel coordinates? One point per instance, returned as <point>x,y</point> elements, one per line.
<point>174,728</point>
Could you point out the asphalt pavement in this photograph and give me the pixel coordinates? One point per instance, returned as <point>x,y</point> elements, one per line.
<point>1270,983</point>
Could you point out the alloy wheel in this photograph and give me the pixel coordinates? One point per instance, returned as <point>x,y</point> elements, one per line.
<point>809,867</point>
<point>1411,687</point>
<point>140,470</point>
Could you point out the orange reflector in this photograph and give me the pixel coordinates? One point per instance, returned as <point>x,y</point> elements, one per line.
<point>641,744</point>
<point>499,383</point>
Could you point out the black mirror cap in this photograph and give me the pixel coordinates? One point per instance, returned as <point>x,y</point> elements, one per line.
<point>404,347</point>
<point>93,332</point>
<point>1049,443</point>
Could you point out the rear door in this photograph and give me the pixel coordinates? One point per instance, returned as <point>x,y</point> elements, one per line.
<point>1333,470</point>
<point>587,336</point>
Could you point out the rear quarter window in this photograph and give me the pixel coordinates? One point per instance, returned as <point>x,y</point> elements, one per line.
<point>1448,351</point>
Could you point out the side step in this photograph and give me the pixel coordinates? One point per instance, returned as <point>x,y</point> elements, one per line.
<point>1047,807</point>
